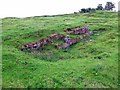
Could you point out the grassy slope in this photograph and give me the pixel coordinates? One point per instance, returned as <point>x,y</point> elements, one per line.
<point>93,64</point>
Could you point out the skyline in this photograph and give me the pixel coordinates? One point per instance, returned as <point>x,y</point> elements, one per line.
<point>28,8</point>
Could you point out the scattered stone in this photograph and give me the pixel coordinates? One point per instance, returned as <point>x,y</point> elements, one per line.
<point>84,31</point>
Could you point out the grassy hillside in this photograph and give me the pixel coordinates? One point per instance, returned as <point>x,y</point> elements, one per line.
<point>84,65</point>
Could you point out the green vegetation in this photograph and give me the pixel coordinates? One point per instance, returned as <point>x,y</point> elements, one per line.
<point>83,65</point>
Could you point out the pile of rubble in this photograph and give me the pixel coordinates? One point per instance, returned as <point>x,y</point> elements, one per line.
<point>74,40</point>
<point>82,31</point>
<point>41,43</point>
<point>78,30</point>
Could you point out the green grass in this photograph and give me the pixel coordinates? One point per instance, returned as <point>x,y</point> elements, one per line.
<point>83,65</point>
